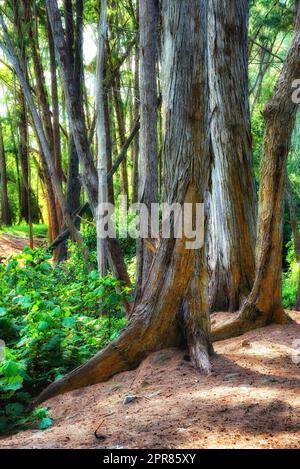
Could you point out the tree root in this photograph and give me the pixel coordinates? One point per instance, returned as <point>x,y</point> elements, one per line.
<point>200,358</point>
<point>250,318</point>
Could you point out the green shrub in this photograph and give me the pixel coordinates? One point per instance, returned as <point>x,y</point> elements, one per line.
<point>290,280</point>
<point>52,320</point>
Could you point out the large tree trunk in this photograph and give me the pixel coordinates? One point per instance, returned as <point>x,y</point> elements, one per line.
<point>263,305</point>
<point>148,162</point>
<point>5,210</point>
<point>233,199</point>
<point>154,323</point>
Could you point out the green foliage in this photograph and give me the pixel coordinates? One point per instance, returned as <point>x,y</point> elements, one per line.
<point>52,319</point>
<point>39,230</point>
<point>290,279</point>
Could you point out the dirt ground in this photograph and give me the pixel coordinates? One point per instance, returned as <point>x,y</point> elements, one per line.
<point>251,400</point>
<point>10,245</point>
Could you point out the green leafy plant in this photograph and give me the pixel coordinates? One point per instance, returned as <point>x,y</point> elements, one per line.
<point>52,318</point>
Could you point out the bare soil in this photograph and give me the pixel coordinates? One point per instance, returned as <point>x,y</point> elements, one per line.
<point>250,400</point>
<point>10,245</point>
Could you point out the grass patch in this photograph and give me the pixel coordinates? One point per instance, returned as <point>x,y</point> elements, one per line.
<point>22,230</point>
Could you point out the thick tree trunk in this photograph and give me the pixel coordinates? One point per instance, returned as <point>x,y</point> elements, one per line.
<point>5,210</point>
<point>148,161</point>
<point>232,227</point>
<point>263,306</point>
<point>154,323</point>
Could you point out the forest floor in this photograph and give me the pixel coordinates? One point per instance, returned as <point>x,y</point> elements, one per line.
<point>250,400</point>
<point>11,244</point>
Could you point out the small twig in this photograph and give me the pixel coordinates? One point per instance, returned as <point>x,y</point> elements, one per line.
<point>102,437</point>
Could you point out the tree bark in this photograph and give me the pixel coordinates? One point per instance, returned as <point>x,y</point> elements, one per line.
<point>55,113</point>
<point>102,142</point>
<point>74,25</point>
<point>148,161</point>
<point>263,305</point>
<point>5,210</point>
<point>136,147</point>
<point>153,324</point>
<point>233,200</point>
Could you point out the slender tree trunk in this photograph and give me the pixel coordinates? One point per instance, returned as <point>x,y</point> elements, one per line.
<point>8,50</point>
<point>77,121</point>
<point>55,112</point>
<point>5,210</point>
<point>135,168</point>
<point>102,143</point>
<point>74,24</point>
<point>263,305</point>
<point>121,130</point>
<point>148,161</point>
<point>23,156</point>
<point>233,200</point>
<point>154,324</point>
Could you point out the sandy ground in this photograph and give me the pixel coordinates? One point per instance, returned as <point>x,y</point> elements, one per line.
<point>10,244</point>
<point>251,400</point>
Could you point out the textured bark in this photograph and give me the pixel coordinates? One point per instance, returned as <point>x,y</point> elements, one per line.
<point>232,227</point>
<point>55,113</point>
<point>119,108</point>
<point>102,165</point>
<point>136,147</point>
<point>23,157</point>
<point>5,210</point>
<point>154,324</point>
<point>148,160</point>
<point>263,305</point>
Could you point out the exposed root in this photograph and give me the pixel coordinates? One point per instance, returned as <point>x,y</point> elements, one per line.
<point>200,358</point>
<point>250,318</point>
